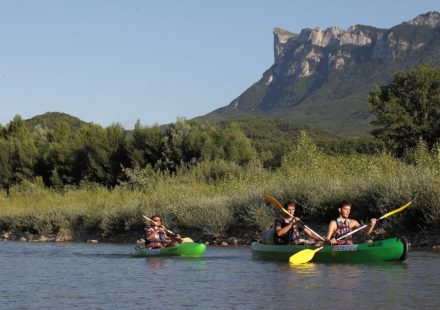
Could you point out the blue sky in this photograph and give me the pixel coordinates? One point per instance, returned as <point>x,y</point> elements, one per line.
<point>118,61</point>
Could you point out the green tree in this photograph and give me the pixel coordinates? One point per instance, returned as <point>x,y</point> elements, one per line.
<point>19,152</point>
<point>145,145</point>
<point>182,144</point>
<point>408,109</point>
<point>101,155</point>
<point>56,158</point>
<point>5,164</point>
<point>92,159</point>
<point>237,147</point>
<point>116,138</point>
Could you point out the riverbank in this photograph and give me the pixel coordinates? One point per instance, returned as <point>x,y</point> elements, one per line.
<point>215,209</point>
<point>424,239</point>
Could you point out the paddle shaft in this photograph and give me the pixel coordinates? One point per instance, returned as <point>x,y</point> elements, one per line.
<point>168,231</point>
<point>185,239</point>
<point>280,207</point>
<point>316,234</point>
<point>352,232</point>
<point>382,217</point>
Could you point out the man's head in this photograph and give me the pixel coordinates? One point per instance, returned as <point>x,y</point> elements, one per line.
<point>290,206</point>
<point>156,219</point>
<point>345,209</point>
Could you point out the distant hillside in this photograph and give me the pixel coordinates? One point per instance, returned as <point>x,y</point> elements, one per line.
<point>322,78</point>
<point>272,138</point>
<point>50,119</point>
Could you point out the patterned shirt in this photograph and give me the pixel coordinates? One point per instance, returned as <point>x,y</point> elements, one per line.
<point>158,239</point>
<point>343,228</point>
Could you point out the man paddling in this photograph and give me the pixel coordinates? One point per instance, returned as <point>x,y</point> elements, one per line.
<point>155,235</point>
<point>288,229</point>
<point>343,225</point>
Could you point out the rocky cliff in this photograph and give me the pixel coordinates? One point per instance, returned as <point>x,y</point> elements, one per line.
<point>321,77</point>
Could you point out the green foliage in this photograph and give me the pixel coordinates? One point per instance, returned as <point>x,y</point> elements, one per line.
<point>206,179</point>
<point>18,153</point>
<point>304,155</point>
<point>223,199</point>
<point>236,146</point>
<point>273,138</point>
<point>50,120</point>
<point>408,109</point>
<point>146,145</point>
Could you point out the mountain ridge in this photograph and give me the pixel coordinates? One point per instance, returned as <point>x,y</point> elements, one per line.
<point>321,78</point>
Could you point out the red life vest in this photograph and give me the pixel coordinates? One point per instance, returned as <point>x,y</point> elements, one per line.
<point>343,228</point>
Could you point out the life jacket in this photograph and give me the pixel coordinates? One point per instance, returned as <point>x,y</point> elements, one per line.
<point>292,236</point>
<point>343,228</point>
<point>159,238</point>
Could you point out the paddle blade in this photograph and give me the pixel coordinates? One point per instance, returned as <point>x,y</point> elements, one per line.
<point>303,256</point>
<point>397,210</point>
<point>187,239</point>
<point>276,203</point>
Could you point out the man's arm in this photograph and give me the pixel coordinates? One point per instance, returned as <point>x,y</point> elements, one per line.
<point>282,231</point>
<point>331,230</point>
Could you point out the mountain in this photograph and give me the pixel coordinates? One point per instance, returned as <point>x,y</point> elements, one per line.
<point>50,119</point>
<point>321,78</point>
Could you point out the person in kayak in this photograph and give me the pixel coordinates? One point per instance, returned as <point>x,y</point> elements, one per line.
<point>156,237</point>
<point>343,225</point>
<point>288,229</point>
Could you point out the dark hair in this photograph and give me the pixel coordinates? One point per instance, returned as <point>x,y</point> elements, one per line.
<point>289,203</point>
<point>155,215</point>
<point>345,203</point>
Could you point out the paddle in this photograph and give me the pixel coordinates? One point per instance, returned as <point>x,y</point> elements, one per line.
<point>186,239</point>
<point>306,255</point>
<point>278,205</point>
<point>382,217</point>
<point>303,256</point>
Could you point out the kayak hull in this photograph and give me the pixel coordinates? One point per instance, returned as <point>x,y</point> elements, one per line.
<point>393,249</point>
<point>190,249</point>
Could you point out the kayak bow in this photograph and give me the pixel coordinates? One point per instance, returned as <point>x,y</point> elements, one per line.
<point>190,249</point>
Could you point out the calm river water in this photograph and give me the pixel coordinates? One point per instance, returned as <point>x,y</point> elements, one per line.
<point>103,276</point>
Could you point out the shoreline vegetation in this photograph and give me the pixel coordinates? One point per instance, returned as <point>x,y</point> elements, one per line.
<point>219,201</point>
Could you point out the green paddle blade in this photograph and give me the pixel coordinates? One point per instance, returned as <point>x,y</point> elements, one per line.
<point>303,256</point>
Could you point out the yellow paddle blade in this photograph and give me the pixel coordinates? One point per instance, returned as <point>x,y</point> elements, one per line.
<point>303,256</point>
<point>397,210</point>
<point>187,239</point>
<point>276,203</point>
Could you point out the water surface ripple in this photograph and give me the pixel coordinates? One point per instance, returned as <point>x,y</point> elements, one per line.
<point>103,276</point>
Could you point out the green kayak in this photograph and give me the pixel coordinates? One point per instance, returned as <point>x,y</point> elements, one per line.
<point>393,249</point>
<point>191,249</point>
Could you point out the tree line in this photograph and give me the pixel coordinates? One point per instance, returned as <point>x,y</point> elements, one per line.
<point>407,110</point>
<point>65,156</point>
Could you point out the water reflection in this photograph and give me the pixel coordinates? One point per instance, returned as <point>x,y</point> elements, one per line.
<point>154,263</point>
<point>307,268</point>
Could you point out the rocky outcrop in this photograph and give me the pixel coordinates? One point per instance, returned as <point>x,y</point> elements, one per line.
<point>303,51</point>
<point>431,19</point>
<point>321,77</point>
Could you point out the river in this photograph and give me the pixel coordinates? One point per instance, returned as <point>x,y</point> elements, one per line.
<point>104,276</point>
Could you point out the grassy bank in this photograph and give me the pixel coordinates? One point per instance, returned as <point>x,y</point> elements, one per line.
<point>216,200</point>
